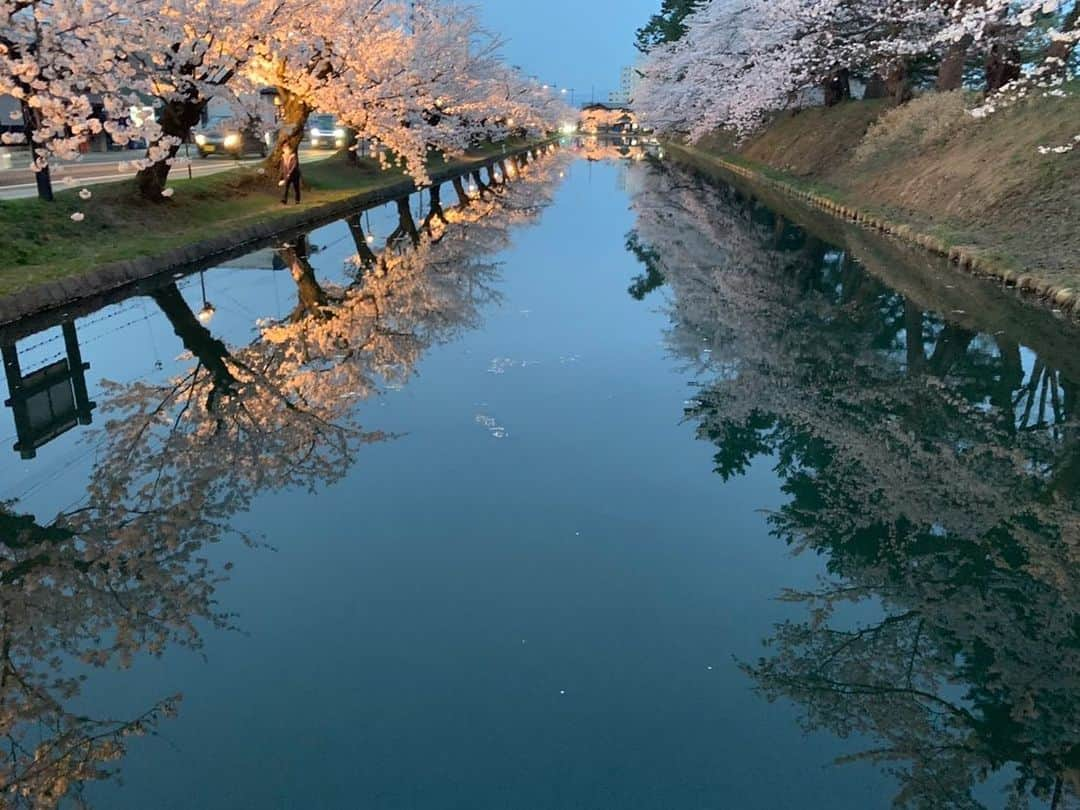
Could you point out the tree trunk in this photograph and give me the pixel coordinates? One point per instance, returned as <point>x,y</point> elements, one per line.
<point>480,184</point>
<point>311,297</point>
<point>875,87</point>
<point>177,119</point>
<point>363,249</point>
<point>459,189</point>
<point>294,117</point>
<point>197,339</point>
<point>914,337</point>
<point>42,177</point>
<point>406,223</point>
<point>1010,377</point>
<point>898,84</point>
<point>837,87</point>
<point>950,74</point>
<point>436,211</point>
<point>351,147</point>
<point>1002,67</point>
<point>952,345</point>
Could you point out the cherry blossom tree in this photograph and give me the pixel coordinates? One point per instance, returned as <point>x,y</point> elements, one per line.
<point>55,56</point>
<point>741,61</point>
<point>416,78</point>
<point>192,52</point>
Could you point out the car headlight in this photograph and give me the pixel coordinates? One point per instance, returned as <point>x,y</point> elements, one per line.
<point>200,139</point>
<point>339,133</point>
<point>315,133</point>
<point>232,140</point>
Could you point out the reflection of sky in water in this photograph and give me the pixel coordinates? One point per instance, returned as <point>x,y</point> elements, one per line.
<point>545,621</point>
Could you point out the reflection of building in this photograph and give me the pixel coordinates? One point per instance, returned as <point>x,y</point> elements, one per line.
<point>50,401</point>
<point>595,149</point>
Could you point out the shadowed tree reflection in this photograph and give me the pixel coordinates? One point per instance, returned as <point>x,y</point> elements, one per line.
<point>931,462</point>
<point>653,278</point>
<point>125,572</point>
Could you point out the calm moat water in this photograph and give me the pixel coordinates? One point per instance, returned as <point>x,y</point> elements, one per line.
<point>618,490</point>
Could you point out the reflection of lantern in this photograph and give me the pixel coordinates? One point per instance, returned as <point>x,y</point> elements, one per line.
<point>206,314</point>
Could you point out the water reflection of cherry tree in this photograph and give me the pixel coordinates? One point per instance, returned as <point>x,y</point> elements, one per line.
<point>934,468</point>
<point>125,572</point>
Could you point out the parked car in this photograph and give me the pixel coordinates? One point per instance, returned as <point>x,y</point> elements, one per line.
<point>223,136</point>
<point>324,132</point>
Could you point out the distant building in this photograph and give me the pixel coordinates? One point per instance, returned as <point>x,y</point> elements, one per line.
<point>625,94</point>
<point>11,121</point>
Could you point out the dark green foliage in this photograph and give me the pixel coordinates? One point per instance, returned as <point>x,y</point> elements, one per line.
<point>665,26</point>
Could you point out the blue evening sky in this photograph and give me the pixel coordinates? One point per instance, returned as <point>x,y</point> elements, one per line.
<point>571,43</point>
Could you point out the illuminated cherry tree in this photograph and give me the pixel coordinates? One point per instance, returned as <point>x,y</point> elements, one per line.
<point>413,77</point>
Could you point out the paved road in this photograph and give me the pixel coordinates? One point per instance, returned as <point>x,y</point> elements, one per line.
<point>113,167</point>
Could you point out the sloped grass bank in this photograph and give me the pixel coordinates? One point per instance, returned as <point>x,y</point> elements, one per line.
<point>41,243</point>
<point>976,190</point>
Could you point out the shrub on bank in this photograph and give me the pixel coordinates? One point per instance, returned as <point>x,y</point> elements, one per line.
<point>925,122</point>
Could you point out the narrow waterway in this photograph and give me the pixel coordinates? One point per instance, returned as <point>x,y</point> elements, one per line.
<point>616,489</point>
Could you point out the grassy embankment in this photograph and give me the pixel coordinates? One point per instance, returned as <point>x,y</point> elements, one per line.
<point>975,189</point>
<point>41,242</point>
